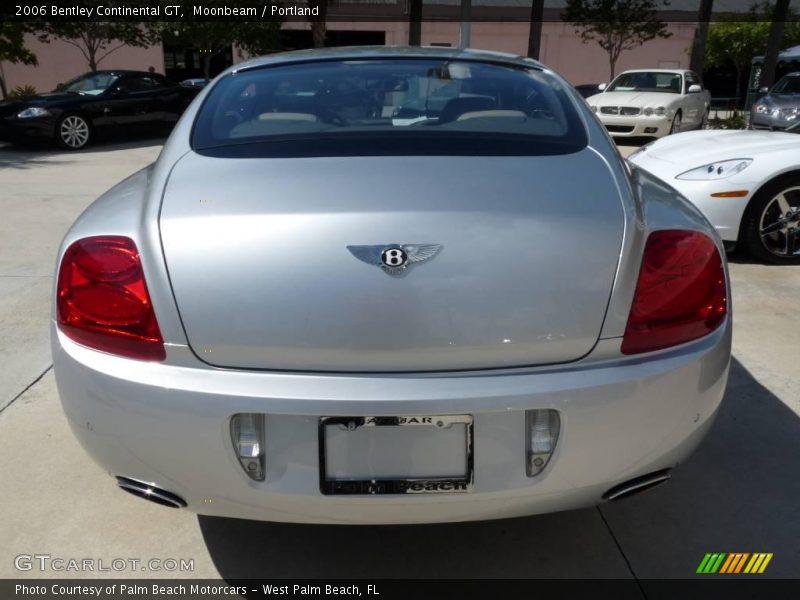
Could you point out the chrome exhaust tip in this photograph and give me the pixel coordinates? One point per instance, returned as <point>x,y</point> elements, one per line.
<point>148,492</point>
<point>638,484</point>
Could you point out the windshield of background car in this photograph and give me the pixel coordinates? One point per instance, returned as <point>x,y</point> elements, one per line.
<point>647,81</point>
<point>788,85</point>
<point>385,107</point>
<point>91,83</point>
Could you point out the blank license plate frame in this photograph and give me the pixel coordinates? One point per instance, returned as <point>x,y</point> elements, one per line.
<point>414,485</point>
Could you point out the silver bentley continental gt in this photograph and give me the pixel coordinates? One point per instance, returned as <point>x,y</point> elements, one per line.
<point>390,285</point>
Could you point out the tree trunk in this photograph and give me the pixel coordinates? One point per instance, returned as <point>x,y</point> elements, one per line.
<point>612,63</point>
<point>779,16</point>
<point>535,33</point>
<point>415,22</point>
<point>92,62</point>
<point>319,32</point>
<point>700,36</point>
<point>465,31</point>
<point>3,89</point>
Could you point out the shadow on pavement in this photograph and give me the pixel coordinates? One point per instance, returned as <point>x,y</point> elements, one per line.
<point>28,156</point>
<point>738,493</point>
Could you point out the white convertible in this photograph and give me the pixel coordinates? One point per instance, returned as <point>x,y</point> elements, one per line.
<point>747,183</point>
<point>652,103</point>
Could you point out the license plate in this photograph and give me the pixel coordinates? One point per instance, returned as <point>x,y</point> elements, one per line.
<point>396,455</point>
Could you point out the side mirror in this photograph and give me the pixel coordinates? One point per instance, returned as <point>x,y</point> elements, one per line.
<point>694,89</point>
<point>602,86</point>
<point>763,90</point>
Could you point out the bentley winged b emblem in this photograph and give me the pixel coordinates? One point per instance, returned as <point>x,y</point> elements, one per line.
<point>394,259</point>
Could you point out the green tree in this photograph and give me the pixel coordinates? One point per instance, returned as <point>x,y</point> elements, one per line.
<point>735,42</point>
<point>616,25</point>
<point>213,37</point>
<point>96,40</point>
<point>12,47</point>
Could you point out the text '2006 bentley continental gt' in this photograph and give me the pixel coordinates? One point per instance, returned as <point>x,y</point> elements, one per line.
<point>390,285</point>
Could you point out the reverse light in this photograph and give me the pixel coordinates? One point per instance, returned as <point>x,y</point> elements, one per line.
<point>33,112</point>
<point>247,434</point>
<point>102,300</point>
<point>542,427</point>
<point>681,294</point>
<point>717,170</point>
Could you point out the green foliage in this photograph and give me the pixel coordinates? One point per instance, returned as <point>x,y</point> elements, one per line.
<point>214,36</point>
<point>736,120</point>
<point>734,42</point>
<point>12,43</point>
<point>616,25</point>
<point>21,92</point>
<point>95,39</point>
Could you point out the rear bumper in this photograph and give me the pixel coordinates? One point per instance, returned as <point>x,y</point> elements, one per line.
<point>169,426</point>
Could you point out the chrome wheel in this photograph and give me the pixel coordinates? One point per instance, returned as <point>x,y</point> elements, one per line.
<point>779,225</point>
<point>74,132</point>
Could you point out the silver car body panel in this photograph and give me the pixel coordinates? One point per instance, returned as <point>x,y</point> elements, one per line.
<point>167,423</point>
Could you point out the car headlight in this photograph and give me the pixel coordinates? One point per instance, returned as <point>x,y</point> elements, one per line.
<point>593,107</point>
<point>717,170</point>
<point>786,114</point>
<point>647,111</point>
<point>761,109</point>
<point>661,111</point>
<point>32,112</point>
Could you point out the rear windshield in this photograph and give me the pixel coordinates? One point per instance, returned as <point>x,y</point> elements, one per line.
<point>380,107</point>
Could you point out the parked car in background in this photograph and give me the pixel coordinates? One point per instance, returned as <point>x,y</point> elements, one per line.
<point>343,294</point>
<point>780,107</point>
<point>587,90</point>
<point>74,113</point>
<point>746,182</point>
<point>197,82</point>
<point>652,103</point>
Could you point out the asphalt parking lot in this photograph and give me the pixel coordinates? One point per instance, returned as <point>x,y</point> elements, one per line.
<point>738,493</point>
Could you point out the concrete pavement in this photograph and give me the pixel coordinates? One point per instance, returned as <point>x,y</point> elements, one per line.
<point>737,493</point>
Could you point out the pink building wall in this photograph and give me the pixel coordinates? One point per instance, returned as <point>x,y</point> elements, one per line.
<point>60,62</point>
<point>562,50</point>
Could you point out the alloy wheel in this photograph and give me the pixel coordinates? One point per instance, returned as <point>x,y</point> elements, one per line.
<point>74,132</point>
<point>779,224</point>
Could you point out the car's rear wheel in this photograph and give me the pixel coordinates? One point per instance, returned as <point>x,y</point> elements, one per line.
<point>676,123</point>
<point>73,132</point>
<point>771,224</point>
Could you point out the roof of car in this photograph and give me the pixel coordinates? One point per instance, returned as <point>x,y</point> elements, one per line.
<point>371,52</point>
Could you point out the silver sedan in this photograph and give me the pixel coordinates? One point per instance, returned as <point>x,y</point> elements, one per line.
<point>390,285</point>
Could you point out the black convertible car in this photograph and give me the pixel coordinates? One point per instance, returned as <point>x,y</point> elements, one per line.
<point>76,111</point>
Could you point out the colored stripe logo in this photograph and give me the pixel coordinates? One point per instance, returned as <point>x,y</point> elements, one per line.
<point>734,563</point>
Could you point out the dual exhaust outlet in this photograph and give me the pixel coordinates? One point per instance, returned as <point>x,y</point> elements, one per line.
<point>165,498</point>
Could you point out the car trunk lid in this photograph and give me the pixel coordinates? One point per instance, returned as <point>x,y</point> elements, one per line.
<point>257,253</point>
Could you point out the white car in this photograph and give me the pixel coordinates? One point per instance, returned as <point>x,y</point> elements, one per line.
<point>747,183</point>
<point>652,103</point>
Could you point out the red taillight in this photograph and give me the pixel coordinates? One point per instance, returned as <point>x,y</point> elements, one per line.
<point>102,299</point>
<point>681,293</point>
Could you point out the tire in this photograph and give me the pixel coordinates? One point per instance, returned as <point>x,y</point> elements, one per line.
<point>676,123</point>
<point>767,211</point>
<point>73,132</point>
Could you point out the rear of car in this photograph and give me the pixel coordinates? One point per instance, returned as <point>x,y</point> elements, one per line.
<point>373,286</point>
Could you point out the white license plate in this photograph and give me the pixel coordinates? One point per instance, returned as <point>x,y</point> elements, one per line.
<point>396,455</point>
